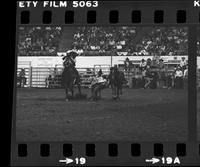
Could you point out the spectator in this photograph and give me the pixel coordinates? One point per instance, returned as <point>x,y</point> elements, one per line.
<point>22,78</point>
<point>127,64</point>
<point>148,77</point>
<point>162,74</point>
<point>142,67</point>
<point>179,78</point>
<point>183,64</point>
<point>100,73</point>
<point>149,62</point>
<point>49,81</point>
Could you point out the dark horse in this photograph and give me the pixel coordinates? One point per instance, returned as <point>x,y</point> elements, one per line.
<point>70,78</point>
<point>116,79</point>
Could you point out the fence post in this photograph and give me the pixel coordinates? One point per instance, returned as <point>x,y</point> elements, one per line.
<point>30,77</point>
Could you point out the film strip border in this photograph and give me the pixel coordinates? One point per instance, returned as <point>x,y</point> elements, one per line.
<point>115,153</point>
<point>34,154</point>
<point>114,13</point>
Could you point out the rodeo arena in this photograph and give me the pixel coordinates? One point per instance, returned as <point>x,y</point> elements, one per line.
<point>102,83</point>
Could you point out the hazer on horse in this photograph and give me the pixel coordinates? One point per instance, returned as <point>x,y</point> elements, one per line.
<point>70,75</point>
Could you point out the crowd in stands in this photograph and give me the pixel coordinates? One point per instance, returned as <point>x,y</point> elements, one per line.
<point>157,40</point>
<point>106,40</point>
<point>38,41</point>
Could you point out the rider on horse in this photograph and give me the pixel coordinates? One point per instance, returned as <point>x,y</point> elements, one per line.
<point>70,61</point>
<point>70,58</point>
<point>70,75</point>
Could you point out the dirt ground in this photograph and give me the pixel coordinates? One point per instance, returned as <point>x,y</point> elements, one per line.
<point>139,115</point>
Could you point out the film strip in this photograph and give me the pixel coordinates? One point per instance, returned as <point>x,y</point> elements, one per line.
<point>153,121</point>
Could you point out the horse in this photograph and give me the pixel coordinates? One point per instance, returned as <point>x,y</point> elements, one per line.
<point>121,81</point>
<point>70,78</point>
<point>116,79</point>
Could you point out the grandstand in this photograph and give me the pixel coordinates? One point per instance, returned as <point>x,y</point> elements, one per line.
<point>38,41</point>
<point>97,46</point>
<point>47,41</point>
<point>66,39</point>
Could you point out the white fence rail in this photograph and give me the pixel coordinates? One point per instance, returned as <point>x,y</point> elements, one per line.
<point>42,77</point>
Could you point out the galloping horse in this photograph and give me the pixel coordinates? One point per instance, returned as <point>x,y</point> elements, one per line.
<point>70,76</point>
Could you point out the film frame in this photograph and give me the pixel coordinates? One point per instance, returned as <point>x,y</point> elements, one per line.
<point>48,153</point>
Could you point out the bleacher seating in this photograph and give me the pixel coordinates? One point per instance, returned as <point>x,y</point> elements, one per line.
<point>38,41</point>
<point>46,41</point>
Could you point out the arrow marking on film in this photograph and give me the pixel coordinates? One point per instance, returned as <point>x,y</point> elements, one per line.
<point>153,160</point>
<point>67,161</point>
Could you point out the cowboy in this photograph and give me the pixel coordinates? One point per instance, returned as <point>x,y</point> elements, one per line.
<point>70,58</point>
<point>22,78</point>
<point>97,84</point>
<point>179,78</point>
<point>148,77</point>
<point>127,64</point>
<point>100,73</point>
<point>142,65</point>
<point>183,64</point>
<point>162,74</point>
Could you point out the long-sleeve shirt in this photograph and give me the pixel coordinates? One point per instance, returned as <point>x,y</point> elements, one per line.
<point>178,73</point>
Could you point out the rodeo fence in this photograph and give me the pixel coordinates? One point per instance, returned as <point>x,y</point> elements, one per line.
<point>50,77</point>
<point>43,77</point>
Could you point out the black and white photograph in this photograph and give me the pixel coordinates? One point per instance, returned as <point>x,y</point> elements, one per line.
<point>102,83</point>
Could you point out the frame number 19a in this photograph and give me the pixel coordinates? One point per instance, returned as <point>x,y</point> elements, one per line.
<point>164,160</point>
<point>170,160</point>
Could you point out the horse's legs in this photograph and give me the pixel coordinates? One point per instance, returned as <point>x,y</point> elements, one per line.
<point>117,91</point>
<point>114,92</point>
<point>120,89</point>
<point>79,88</point>
<point>66,93</point>
<point>72,90</point>
<point>148,81</point>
